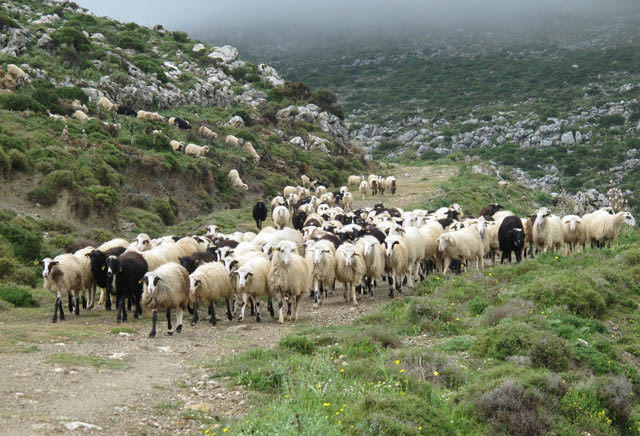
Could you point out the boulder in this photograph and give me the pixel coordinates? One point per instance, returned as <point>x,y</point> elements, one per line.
<point>47,19</point>
<point>18,39</point>
<point>297,141</point>
<point>236,122</point>
<point>567,138</point>
<point>97,36</point>
<point>198,47</point>
<point>45,41</point>
<point>226,53</point>
<point>317,143</point>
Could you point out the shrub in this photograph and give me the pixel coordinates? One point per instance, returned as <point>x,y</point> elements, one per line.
<point>165,211</point>
<point>60,179</point>
<point>506,339</point>
<point>17,296</point>
<point>5,164</point>
<point>26,244</point>
<point>632,257</point>
<point>43,194</point>
<point>617,393</point>
<point>513,408</point>
<point>7,22</point>
<point>299,344</point>
<point>19,102</point>
<point>150,66</point>
<point>611,120</point>
<point>131,40</point>
<point>73,37</point>
<point>19,161</point>
<point>181,37</point>
<point>550,352</point>
<point>380,336</point>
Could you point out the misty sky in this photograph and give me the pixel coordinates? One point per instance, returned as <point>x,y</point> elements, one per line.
<point>320,16</point>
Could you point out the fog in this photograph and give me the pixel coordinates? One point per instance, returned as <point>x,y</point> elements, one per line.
<point>305,19</point>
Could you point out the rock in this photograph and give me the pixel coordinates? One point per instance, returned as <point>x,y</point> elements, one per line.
<point>297,141</point>
<point>578,137</point>
<point>45,41</point>
<point>546,143</point>
<point>47,19</point>
<point>198,47</point>
<point>18,40</point>
<point>76,425</point>
<point>97,36</point>
<point>236,122</point>
<point>317,143</point>
<point>441,150</point>
<point>226,53</point>
<point>567,138</point>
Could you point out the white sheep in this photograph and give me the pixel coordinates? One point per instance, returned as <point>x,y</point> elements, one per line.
<point>232,140</point>
<point>547,231</point>
<point>280,216</point>
<point>248,147</point>
<point>106,104</point>
<point>604,228</point>
<point>396,261</point>
<point>88,283</point>
<point>211,282</point>
<point>322,256</point>
<point>62,276</point>
<point>364,188</point>
<point>207,133</point>
<point>463,245</point>
<point>149,116</point>
<point>416,244</point>
<point>350,270</point>
<point>390,183</point>
<point>113,243</point>
<point>18,74</point>
<point>236,181</point>
<point>196,150</point>
<point>166,288</point>
<point>77,105</point>
<point>250,281</point>
<point>347,201</point>
<point>288,190</point>
<point>374,259</point>
<point>80,116</point>
<point>320,191</point>
<point>573,232</point>
<point>289,277</point>
<point>502,214</point>
<point>177,145</point>
<point>354,180</point>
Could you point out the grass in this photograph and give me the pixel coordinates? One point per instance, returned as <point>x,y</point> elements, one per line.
<point>441,363</point>
<point>74,360</point>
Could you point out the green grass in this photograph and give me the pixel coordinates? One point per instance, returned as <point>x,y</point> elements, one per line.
<point>73,360</point>
<point>118,330</point>
<point>517,364</point>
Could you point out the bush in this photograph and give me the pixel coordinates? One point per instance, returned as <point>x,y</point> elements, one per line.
<point>181,37</point>
<point>165,211</point>
<point>19,161</point>
<point>19,102</point>
<point>5,164</point>
<point>26,244</point>
<point>17,296</point>
<point>617,393</point>
<point>611,120</point>
<point>150,66</point>
<point>72,37</point>
<point>506,339</point>
<point>7,22</point>
<point>550,352</point>
<point>11,143</point>
<point>299,344</point>
<point>132,40</point>
<point>44,195</point>
<point>60,179</point>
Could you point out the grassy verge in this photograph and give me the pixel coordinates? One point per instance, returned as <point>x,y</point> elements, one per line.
<point>72,360</point>
<point>521,349</point>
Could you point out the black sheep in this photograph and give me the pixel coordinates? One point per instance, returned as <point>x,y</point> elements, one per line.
<point>374,187</point>
<point>375,232</point>
<point>511,238</point>
<point>98,261</point>
<point>393,187</point>
<point>298,219</point>
<point>190,263</point>
<point>182,124</point>
<point>126,110</point>
<point>259,213</point>
<point>128,271</point>
<point>490,210</point>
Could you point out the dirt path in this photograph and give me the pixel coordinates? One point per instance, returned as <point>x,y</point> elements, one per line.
<point>89,371</point>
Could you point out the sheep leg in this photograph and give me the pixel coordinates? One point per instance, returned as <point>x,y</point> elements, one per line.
<point>296,300</point>
<point>120,307</point>
<point>169,329</point>
<point>55,309</point>
<point>257,310</point>
<point>84,301</point>
<point>129,304</point>
<point>289,304</point>
<point>353,294</point>
<point>229,315</point>
<point>270,307</point>
<point>390,279</point>
<point>195,318</point>
<point>77,307</point>
<point>107,300</point>
<point>280,314</point>
<point>316,290</point>
<point>70,301</point>
<point>154,320</point>
<point>179,312</point>
<point>447,262</point>
<point>244,305</point>
<point>253,309</point>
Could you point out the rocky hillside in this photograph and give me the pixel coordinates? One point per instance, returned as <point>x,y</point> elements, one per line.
<point>554,104</point>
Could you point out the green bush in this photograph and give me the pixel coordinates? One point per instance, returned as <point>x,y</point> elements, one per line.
<point>11,143</point>
<point>19,160</point>
<point>299,344</point>
<point>7,22</point>
<point>43,194</point>
<point>149,65</point>
<point>132,40</point>
<point>165,211</point>
<point>508,338</point>
<point>26,244</point>
<point>550,352</point>
<point>181,37</point>
<point>5,164</point>
<point>17,296</point>
<point>73,37</point>
<point>19,102</point>
<point>60,179</point>
<point>611,120</point>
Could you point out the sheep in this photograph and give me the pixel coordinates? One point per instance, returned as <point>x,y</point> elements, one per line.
<point>289,277</point>
<point>196,259</point>
<point>76,105</point>
<point>278,200</point>
<point>502,214</point>
<point>573,232</point>
<point>143,242</point>
<point>18,74</point>
<point>124,279</point>
<point>527,224</point>
<point>88,283</point>
<point>391,184</point>
<point>306,181</point>
<point>396,261</point>
<point>80,116</point>
<point>112,128</point>
<point>354,180</point>
<point>322,256</point>
<point>62,276</point>
<point>211,282</point>
<point>511,238</point>
<point>280,216</point>
<point>350,270</point>
<point>374,259</point>
<point>320,191</point>
<point>105,103</point>
<point>547,230</point>
<point>150,116</point>
<point>298,220</point>
<point>177,145</point>
<point>250,280</point>
<point>604,228</point>
<point>180,123</point>
<point>490,210</point>
<point>236,181</point>
<point>126,110</point>
<point>196,150</point>
<point>462,245</point>
<point>248,147</point>
<point>259,213</point>
<point>364,188</point>
<point>347,201</point>
<point>373,184</point>
<point>97,260</point>
<point>166,288</point>
<point>232,140</point>
<point>207,133</point>
<point>416,244</point>
<point>288,190</point>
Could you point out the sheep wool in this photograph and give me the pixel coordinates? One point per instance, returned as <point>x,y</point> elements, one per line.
<point>289,277</point>
<point>166,288</point>
<point>210,282</point>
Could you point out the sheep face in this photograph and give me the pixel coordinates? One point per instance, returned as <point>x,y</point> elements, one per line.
<point>283,251</point>
<point>349,255</point>
<point>243,277</point>
<point>389,247</point>
<point>211,231</point>
<point>444,241</point>
<point>629,219</point>
<point>541,214</point>
<point>319,253</point>
<point>47,266</point>
<point>518,237</point>
<point>194,284</point>
<point>151,282</point>
<point>368,247</point>
<point>572,221</point>
<point>143,242</point>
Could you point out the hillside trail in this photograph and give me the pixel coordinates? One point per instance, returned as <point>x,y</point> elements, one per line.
<point>88,371</point>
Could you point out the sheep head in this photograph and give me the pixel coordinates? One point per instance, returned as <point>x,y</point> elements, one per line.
<point>243,276</point>
<point>444,241</point>
<point>629,219</point>
<point>319,253</point>
<point>194,284</point>
<point>143,242</point>
<point>47,266</point>
<point>151,282</point>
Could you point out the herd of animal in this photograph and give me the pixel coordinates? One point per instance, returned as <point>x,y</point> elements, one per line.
<point>318,241</point>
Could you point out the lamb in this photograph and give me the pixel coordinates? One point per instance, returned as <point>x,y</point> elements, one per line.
<point>196,150</point>
<point>105,103</point>
<point>462,245</point>
<point>166,288</point>
<point>289,277</point>
<point>259,213</point>
<point>374,259</point>
<point>322,256</point>
<point>364,188</point>
<point>573,232</point>
<point>232,140</point>
<point>396,261</point>
<point>207,133</point>
<point>350,270</point>
<point>280,216</point>
<point>236,181</point>
<point>211,282</point>
<point>354,180</point>
<point>511,238</point>
<point>604,228</point>
<point>248,147</point>
<point>126,110</point>
<point>62,276</point>
<point>250,280</point>
<point>124,279</point>
<point>547,231</point>
<point>177,145</point>
<point>80,116</point>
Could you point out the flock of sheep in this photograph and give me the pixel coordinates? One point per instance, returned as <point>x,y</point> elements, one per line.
<point>318,240</point>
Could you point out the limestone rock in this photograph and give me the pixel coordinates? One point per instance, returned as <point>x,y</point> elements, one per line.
<point>226,53</point>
